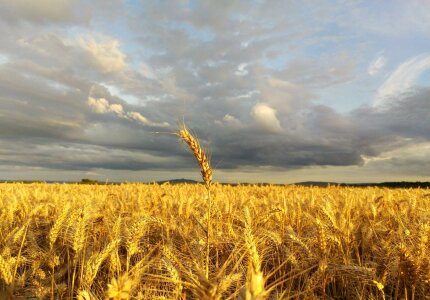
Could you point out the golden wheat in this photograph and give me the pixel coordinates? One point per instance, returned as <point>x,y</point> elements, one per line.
<point>136,241</point>
<point>59,222</point>
<point>93,263</point>
<point>5,271</point>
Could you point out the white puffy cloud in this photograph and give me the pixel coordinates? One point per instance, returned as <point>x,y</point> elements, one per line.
<point>117,108</point>
<point>265,116</point>
<point>402,79</point>
<point>102,106</point>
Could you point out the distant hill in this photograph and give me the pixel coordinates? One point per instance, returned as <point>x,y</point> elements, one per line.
<point>316,183</point>
<point>176,181</point>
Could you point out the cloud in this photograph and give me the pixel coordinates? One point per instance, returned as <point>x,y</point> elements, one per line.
<point>105,54</point>
<point>327,70</point>
<point>402,79</point>
<point>147,71</point>
<point>411,159</point>
<point>41,11</point>
<point>397,19</point>
<point>144,121</point>
<point>230,121</point>
<point>102,106</point>
<point>376,65</point>
<point>265,116</point>
<point>73,156</point>
<point>3,59</point>
<point>241,70</point>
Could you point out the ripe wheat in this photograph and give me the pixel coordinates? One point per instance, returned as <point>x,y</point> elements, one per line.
<point>137,241</point>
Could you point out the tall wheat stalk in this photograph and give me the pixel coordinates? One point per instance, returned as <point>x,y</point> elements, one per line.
<point>206,172</point>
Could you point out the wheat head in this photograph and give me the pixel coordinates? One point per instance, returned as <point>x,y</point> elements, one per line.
<point>199,154</point>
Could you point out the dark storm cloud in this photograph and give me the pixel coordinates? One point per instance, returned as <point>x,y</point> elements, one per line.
<point>321,136</point>
<point>82,157</point>
<point>407,116</point>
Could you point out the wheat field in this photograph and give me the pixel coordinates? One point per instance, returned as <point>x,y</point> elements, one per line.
<point>148,241</point>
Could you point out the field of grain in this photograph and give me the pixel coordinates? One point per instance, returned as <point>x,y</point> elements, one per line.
<point>136,241</point>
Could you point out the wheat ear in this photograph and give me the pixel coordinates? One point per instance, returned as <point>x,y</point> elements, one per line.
<point>199,154</point>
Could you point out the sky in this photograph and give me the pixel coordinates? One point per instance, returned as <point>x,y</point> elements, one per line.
<point>276,91</point>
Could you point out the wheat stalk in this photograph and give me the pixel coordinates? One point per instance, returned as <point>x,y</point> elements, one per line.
<point>93,264</point>
<point>206,171</point>
<point>254,288</point>
<point>174,274</point>
<point>59,222</point>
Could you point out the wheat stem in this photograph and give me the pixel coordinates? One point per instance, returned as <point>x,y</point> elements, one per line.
<point>208,232</point>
